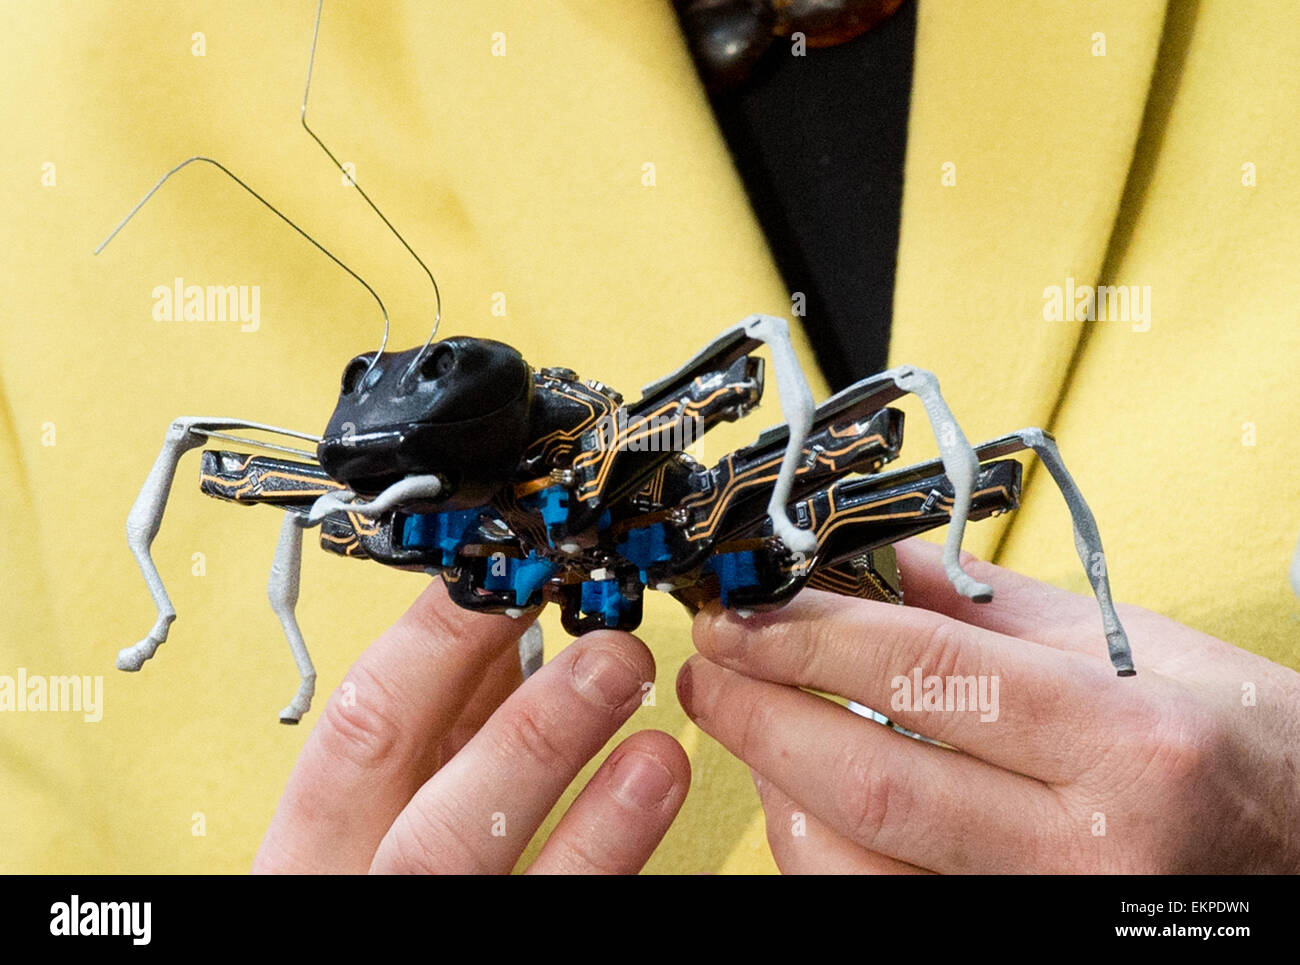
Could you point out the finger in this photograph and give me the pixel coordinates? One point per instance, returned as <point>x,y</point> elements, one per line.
<point>366,755</point>
<point>921,804</point>
<point>622,814</point>
<point>802,844</point>
<point>501,678</point>
<point>1005,700</point>
<point>480,810</point>
<point>1021,606</point>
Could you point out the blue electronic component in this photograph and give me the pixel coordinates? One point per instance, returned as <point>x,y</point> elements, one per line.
<point>528,575</point>
<point>644,546</point>
<point>552,504</point>
<point>444,531</point>
<point>735,571</point>
<point>605,598</point>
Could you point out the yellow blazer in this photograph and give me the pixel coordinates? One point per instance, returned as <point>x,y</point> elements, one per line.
<point>558,166</point>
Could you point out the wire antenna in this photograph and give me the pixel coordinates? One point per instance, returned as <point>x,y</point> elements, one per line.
<point>437,294</point>
<point>274,210</point>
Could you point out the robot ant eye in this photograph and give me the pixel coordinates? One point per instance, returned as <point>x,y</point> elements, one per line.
<point>438,363</point>
<point>353,373</point>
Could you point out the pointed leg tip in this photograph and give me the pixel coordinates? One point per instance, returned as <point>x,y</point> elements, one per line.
<point>294,712</point>
<point>130,659</point>
<point>966,585</point>
<point>974,591</point>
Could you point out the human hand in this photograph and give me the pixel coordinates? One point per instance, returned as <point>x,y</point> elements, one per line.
<point>431,757</point>
<point>1188,767</point>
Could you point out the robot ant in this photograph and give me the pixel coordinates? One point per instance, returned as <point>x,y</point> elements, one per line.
<point>522,487</point>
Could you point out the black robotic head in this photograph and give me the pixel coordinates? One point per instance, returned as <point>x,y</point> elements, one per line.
<point>461,413</point>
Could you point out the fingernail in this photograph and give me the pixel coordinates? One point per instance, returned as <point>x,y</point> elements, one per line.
<point>728,634</point>
<point>640,781</point>
<point>605,678</point>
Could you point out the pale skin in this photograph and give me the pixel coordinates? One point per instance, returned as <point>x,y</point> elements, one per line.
<point>435,756</point>
<point>1184,767</point>
<point>1191,766</point>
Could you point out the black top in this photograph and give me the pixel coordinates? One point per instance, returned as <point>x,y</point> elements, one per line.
<point>819,141</point>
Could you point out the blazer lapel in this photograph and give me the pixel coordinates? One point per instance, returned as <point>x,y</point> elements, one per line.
<point>1021,135</point>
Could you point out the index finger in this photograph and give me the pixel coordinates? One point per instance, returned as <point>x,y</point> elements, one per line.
<point>1008,701</point>
<point>479,812</point>
<point>364,759</point>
